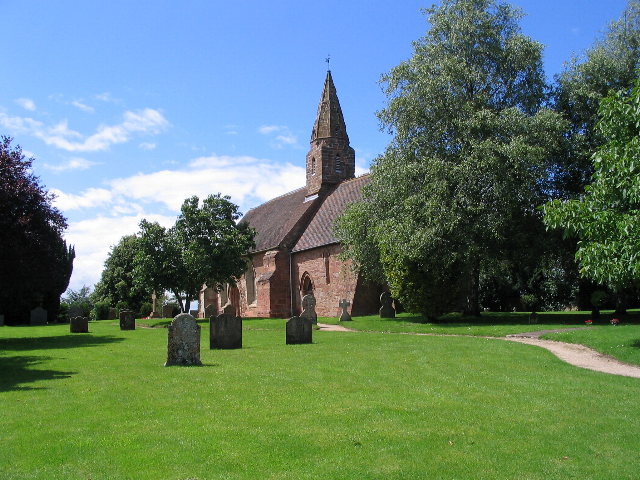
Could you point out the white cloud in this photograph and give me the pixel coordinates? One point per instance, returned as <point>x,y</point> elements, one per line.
<point>71,164</point>
<point>143,122</point>
<point>285,136</point>
<point>27,104</point>
<point>147,146</point>
<point>92,197</point>
<point>94,238</point>
<point>82,106</point>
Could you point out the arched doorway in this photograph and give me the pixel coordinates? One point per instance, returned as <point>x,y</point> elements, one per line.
<point>306,285</point>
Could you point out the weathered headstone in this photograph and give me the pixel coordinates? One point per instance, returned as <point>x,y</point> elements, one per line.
<point>387,310</point>
<point>344,316</point>
<point>113,314</point>
<point>1,320</point>
<point>38,316</point>
<point>210,310</point>
<point>167,311</point>
<point>299,330</point>
<point>225,331</point>
<point>127,320</point>
<point>309,308</point>
<point>183,341</point>
<point>79,325</point>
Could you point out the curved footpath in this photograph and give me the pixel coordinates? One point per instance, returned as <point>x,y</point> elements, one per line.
<point>572,353</point>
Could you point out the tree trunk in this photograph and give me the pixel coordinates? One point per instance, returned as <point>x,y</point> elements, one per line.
<point>472,306</point>
<point>621,303</point>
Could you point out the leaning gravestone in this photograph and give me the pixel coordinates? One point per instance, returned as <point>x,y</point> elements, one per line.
<point>309,308</point>
<point>299,330</point>
<point>183,341</point>
<point>344,316</point>
<point>387,310</point>
<point>225,331</point>
<point>79,325</point>
<point>167,311</point>
<point>113,313</point>
<point>38,316</point>
<point>127,320</point>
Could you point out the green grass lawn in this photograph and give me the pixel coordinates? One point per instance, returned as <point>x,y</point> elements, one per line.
<point>349,406</point>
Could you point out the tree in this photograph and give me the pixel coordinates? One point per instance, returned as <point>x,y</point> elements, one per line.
<point>610,64</point>
<point>117,284</point>
<point>35,261</point>
<point>606,218</point>
<point>205,245</point>
<point>457,189</point>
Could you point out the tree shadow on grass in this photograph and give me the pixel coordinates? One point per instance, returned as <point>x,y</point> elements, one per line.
<point>56,342</point>
<point>16,371</point>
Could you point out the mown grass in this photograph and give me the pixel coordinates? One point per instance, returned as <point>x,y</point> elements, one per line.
<point>351,405</point>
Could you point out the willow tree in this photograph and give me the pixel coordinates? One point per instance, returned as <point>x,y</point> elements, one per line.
<point>456,192</point>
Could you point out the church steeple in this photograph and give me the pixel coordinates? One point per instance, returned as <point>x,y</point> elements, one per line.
<point>330,159</point>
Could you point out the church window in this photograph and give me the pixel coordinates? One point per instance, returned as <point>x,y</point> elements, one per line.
<point>250,283</point>
<point>327,275</point>
<point>338,164</point>
<point>306,285</point>
<point>313,166</point>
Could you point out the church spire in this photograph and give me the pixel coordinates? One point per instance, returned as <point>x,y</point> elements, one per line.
<point>330,159</point>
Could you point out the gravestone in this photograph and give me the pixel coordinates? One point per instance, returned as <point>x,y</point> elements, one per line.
<point>344,316</point>
<point>113,314</point>
<point>79,325</point>
<point>225,330</point>
<point>167,311</point>
<point>299,331</point>
<point>127,320</point>
<point>210,310</point>
<point>309,309</point>
<point>183,341</point>
<point>1,320</point>
<point>387,310</point>
<point>38,316</point>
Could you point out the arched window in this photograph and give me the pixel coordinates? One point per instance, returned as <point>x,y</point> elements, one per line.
<point>224,296</point>
<point>250,283</point>
<point>338,164</point>
<point>313,166</point>
<point>306,285</point>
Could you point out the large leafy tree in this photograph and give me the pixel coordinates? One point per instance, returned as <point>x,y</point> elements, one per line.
<point>456,191</point>
<point>610,64</point>
<point>117,284</point>
<point>206,245</point>
<point>606,218</point>
<point>35,261</point>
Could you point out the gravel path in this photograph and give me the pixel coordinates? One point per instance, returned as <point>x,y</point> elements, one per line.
<point>574,354</point>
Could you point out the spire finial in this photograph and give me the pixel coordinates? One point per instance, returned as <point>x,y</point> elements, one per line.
<point>328,59</point>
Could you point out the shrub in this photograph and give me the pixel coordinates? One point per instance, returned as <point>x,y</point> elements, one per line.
<point>145,309</point>
<point>100,311</point>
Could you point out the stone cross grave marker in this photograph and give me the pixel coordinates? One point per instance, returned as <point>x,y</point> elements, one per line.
<point>225,331</point>
<point>183,341</point>
<point>38,316</point>
<point>167,311</point>
<point>387,310</point>
<point>299,331</point>
<point>309,308</point>
<point>127,320</point>
<point>344,316</point>
<point>79,325</point>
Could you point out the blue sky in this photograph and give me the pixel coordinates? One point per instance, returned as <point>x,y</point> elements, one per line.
<point>130,107</point>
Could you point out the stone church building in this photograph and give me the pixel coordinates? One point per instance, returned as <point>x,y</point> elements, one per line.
<point>296,252</point>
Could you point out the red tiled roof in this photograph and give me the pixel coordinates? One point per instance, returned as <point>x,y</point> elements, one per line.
<point>320,229</point>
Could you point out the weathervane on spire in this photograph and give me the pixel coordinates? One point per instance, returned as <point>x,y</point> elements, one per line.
<point>328,59</point>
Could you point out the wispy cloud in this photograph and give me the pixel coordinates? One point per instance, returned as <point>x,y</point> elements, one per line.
<point>147,146</point>
<point>283,137</point>
<point>82,106</point>
<point>92,197</point>
<point>71,164</point>
<point>143,122</point>
<point>27,104</point>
